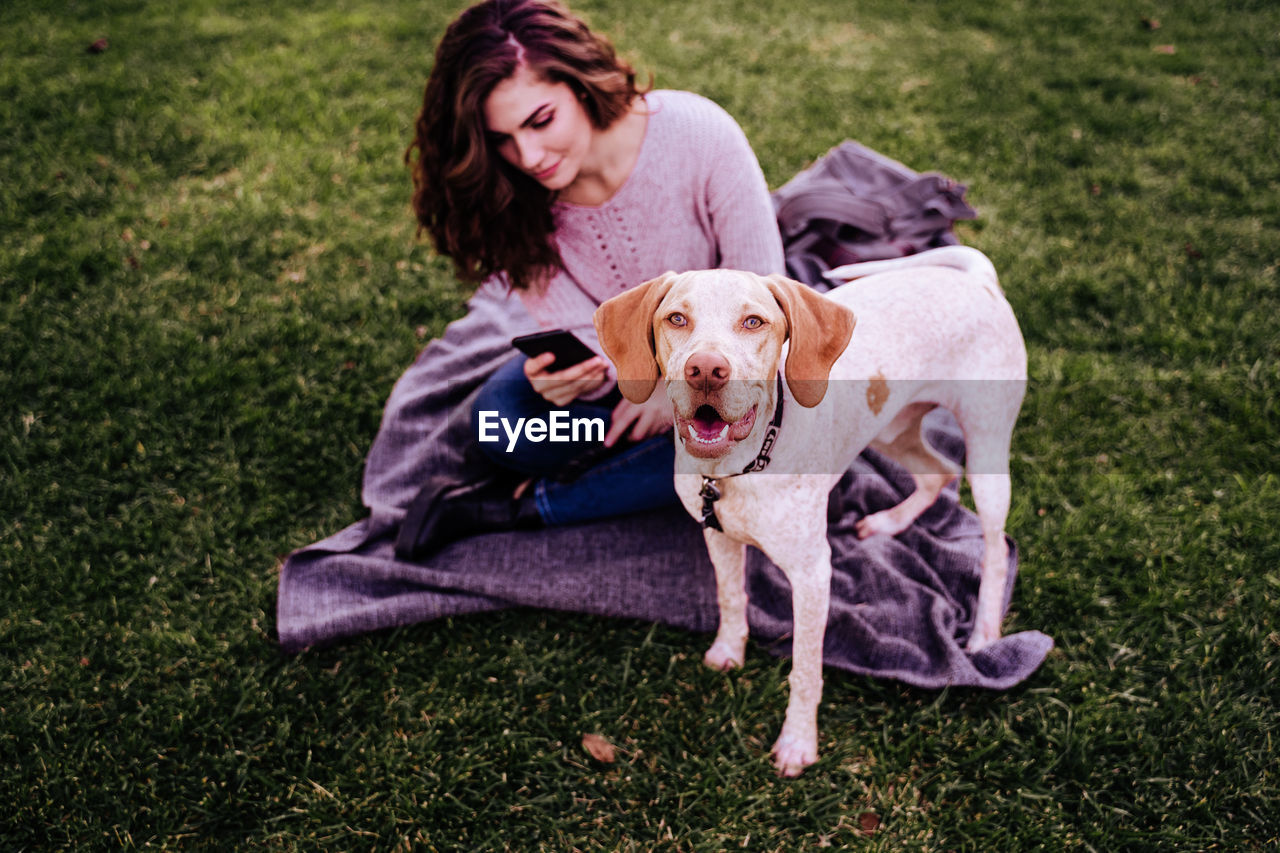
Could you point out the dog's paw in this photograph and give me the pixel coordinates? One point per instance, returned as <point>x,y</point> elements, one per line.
<point>722,657</point>
<point>791,755</point>
<point>981,638</point>
<point>886,523</point>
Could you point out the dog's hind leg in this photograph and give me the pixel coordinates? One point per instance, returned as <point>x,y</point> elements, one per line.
<point>988,475</point>
<point>904,441</point>
<point>988,428</point>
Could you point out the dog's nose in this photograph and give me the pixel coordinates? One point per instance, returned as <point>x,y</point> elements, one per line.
<point>706,371</point>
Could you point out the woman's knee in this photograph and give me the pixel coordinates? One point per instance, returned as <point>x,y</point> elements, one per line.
<point>505,405</point>
<point>507,391</point>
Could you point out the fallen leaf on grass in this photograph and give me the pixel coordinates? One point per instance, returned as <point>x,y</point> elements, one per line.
<point>1166,49</point>
<point>1151,23</point>
<point>600,748</point>
<point>868,822</point>
<point>97,47</point>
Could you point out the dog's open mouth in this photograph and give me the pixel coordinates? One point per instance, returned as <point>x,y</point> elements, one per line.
<point>708,434</point>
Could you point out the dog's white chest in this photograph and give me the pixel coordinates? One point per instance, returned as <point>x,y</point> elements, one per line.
<point>766,510</point>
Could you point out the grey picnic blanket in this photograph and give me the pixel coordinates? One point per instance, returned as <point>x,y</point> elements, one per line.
<point>855,204</point>
<point>902,607</point>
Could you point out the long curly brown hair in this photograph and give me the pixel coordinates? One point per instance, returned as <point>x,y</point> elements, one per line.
<point>481,212</point>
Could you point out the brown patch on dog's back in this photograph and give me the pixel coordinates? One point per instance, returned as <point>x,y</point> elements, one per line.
<point>877,393</point>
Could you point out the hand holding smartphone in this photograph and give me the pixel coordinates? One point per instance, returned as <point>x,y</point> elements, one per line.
<point>566,346</point>
<point>550,381</point>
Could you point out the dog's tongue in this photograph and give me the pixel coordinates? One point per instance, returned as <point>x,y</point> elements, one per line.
<point>707,433</point>
<point>707,425</point>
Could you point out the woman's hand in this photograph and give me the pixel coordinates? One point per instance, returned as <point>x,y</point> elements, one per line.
<point>564,386</point>
<point>639,421</point>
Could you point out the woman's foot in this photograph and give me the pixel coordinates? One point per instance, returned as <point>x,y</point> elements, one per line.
<point>464,511</point>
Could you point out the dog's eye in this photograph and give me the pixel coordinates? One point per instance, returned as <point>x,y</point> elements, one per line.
<point>677,319</point>
<point>752,322</point>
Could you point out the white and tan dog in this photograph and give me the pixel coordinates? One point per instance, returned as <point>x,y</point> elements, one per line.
<point>932,329</point>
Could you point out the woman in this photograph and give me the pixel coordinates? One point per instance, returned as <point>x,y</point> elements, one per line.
<point>542,171</point>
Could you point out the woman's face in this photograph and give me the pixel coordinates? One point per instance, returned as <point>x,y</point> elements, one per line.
<point>539,127</point>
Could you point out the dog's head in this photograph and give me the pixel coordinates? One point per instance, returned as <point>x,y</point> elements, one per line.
<point>716,337</point>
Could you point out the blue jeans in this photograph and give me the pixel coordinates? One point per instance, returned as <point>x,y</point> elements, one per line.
<point>635,478</point>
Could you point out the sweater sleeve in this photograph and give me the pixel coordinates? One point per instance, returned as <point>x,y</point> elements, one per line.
<point>738,201</point>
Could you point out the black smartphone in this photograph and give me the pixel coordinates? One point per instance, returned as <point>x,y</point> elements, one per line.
<point>568,349</point>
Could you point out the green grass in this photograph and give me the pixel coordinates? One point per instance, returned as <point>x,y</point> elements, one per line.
<point>209,283</point>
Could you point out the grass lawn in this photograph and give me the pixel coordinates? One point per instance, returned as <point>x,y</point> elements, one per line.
<point>209,282</point>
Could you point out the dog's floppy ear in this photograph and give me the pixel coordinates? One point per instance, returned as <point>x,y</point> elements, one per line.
<point>819,330</point>
<point>624,325</point>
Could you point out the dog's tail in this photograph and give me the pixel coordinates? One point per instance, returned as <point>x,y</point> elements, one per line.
<point>963,258</point>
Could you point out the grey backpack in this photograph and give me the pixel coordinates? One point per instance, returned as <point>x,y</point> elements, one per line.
<point>854,204</point>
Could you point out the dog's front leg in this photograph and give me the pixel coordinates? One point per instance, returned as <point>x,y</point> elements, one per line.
<point>729,558</point>
<point>810,578</point>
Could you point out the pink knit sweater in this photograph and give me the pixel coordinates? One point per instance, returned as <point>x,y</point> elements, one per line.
<point>696,199</point>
